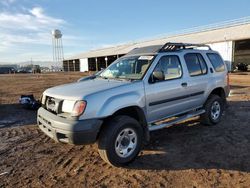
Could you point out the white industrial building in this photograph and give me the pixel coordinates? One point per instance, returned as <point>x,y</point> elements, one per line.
<point>230,38</point>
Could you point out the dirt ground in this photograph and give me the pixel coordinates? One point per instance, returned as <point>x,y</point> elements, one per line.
<point>186,155</point>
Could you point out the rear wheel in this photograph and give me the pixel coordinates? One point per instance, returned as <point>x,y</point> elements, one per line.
<point>120,140</point>
<point>214,109</point>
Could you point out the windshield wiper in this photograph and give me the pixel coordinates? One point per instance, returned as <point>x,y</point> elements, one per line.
<point>127,79</point>
<point>103,77</point>
<point>116,78</point>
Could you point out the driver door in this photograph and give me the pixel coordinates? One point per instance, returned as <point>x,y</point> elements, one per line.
<point>165,98</point>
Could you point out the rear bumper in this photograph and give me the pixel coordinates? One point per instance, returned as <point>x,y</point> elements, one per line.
<point>68,131</point>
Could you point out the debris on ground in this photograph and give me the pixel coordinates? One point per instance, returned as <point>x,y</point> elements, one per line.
<point>29,102</point>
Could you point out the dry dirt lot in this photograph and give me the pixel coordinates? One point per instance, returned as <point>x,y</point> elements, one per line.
<point>186,155</point>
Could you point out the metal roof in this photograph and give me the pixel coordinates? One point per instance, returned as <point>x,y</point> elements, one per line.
<point>224,31</point>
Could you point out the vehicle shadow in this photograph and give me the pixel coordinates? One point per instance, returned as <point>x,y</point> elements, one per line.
<point>191,145</point>
<point>14,115</point>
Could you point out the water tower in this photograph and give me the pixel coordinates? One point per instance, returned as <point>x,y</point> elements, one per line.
<point>57,47</point>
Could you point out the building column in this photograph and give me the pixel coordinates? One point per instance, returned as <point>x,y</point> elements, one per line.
<point>74,65</point>
<point>96,64</point>
<point>68,66</point>
<point>106,60</point>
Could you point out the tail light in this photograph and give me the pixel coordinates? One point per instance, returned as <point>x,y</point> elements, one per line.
<point>79,108</point>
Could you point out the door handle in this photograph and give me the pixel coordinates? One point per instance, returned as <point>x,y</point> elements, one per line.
<point>184,84</point>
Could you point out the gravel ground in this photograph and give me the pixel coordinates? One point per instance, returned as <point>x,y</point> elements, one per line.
<point>186,155</point>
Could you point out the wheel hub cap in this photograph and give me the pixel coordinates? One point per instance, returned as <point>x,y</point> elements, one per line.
<point>126,142</point>
<point>215,111</point>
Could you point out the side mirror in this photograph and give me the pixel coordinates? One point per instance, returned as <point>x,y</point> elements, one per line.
<point>158,76</point>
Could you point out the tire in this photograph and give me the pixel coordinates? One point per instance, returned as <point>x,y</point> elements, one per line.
<point>121,134</point>
<point>214,108</point>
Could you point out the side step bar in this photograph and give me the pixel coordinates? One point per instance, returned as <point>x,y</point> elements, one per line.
<point>153,127</point>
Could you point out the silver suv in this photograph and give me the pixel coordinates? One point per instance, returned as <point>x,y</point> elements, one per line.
<point>148,89</point>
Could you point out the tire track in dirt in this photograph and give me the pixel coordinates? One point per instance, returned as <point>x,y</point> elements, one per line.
<point>18,138</point>
<point>186,155</point>
<point>69,161</point>
<point>7,133</point>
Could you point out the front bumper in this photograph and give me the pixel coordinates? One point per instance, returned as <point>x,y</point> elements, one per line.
<point>68,131</point>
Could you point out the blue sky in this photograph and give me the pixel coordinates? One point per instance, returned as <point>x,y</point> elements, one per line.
<point>25,25</point>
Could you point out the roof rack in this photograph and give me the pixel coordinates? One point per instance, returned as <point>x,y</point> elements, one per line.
<point>180,46</point>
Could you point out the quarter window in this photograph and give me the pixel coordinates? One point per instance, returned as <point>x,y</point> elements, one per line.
<point>171,67</point>
<point>216,61</point>
<point>196,64</point>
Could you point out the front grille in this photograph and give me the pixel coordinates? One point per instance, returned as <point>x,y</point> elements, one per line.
<point>53,105</point>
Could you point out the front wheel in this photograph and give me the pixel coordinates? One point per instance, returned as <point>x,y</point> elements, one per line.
<point>120,140</point>
<point>214,109</point>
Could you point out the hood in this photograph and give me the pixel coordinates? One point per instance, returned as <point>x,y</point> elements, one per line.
<point>78,90</point>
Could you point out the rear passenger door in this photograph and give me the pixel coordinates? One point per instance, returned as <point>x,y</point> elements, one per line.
<point>198,78</point>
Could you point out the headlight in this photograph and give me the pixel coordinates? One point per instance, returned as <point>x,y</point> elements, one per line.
<point>79,108</point>
<point>68,106</point>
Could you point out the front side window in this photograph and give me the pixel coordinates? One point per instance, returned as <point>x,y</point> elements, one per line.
<point>171,67</point>
<point>196,64</point>
<point>128,68</point>
<point>216,61</point>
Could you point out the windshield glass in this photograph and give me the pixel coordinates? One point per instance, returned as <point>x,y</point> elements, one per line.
<point>128,68</point>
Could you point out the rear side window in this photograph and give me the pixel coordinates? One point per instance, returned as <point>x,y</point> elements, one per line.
<point>196,64</point>
<point>216,61</point>
<point>171,67</point>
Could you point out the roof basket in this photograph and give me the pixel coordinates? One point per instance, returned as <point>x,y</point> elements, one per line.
<point>180,46</point>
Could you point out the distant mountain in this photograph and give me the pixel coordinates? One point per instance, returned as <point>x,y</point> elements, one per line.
<point>41,63</point>
<point>48,64</point>
<point>9,65</point>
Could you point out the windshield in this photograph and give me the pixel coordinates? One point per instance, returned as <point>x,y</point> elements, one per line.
<point>128,68</point>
